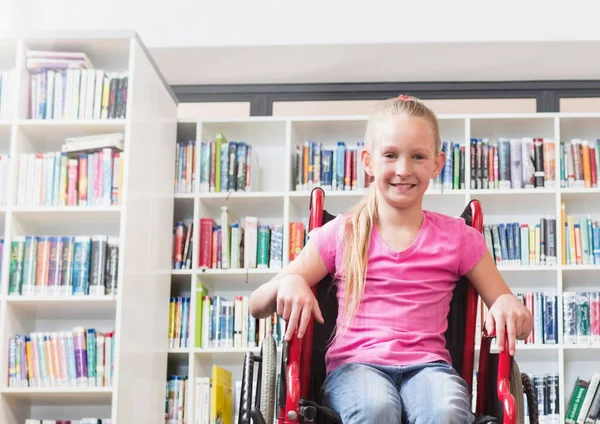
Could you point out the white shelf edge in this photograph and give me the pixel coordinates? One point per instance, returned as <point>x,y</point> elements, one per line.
<point>57,209</point>
<point>72,122</point>
<point>235,271</point>
<point>57,390</point>
<point>526,268</point>
<point>580,267</point>
<point>67,299</point>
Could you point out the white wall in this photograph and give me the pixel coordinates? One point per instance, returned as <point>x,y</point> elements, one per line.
<point>163,23</point>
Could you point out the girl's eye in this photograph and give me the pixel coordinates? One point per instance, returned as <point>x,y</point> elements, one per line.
<point>419,157</point>
<point>389,155</point>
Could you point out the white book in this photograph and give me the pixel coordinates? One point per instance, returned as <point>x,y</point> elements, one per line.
<point>49,94</point>
<point>238,333</point>
<point>68,100</point>
<point>82,101</point>
<point>203,386</point>
<point>89,97</point>
<point>76,94</point>
<point>99,86</point>
<point>250,241</point>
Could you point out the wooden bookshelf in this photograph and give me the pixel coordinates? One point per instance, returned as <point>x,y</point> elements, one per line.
<point>141,222</point>
<point>276,200</point>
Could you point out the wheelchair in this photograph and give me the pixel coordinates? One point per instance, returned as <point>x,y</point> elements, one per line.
<point>500,384</point>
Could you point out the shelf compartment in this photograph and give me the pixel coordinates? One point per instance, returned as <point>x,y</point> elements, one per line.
<point>72,307</point>
<point>220,279</point>
<point>269,206</point>
<point>268,141</point>
<point>67,220</point>
<point>40,135</point>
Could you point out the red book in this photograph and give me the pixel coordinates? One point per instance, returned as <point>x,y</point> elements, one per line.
<point>205,243</point>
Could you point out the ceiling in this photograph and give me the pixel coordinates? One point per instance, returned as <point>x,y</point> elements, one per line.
<point>397,62</point>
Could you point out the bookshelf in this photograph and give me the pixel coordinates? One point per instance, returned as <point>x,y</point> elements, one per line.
<point>140,221</point>
<point>277,201</point>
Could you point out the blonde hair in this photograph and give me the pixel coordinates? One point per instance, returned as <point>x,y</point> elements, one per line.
<point>357,229</point>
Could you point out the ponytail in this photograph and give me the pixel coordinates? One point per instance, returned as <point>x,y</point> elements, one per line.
<point>355,254</point>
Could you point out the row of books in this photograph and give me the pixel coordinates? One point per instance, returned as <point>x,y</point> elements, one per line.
<point>65,85</point>
<point>584,402</point>
<point>223,322</point>
<point>512,163</point>
<point>58,179</point>
<point>581,238</point>
<point>179,321</point>
<point>580,163</point>
<point>4,178</point>
<point>183,235</point>
<point>452,176</point>
<point>6,94</point>
<point>336,168</point>
<point>82,358</point>
<point>64,266</point>
<point>581,317</point>
<point>176,399</point>
<point>546,387</point>
<point>216,397</point>
<point>514,243</point>
<point>81,421</point>
<point>235,243</point>
<point>544,309</point>
<point>224,166</point>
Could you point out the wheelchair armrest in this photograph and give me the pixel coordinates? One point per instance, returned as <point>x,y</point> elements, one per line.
<point>507,400</point>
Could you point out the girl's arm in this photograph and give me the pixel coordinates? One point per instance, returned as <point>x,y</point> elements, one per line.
<point>505,310</point>
<point>289,292</point>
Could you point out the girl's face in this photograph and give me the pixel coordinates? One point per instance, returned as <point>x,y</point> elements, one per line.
<point>403,160</point>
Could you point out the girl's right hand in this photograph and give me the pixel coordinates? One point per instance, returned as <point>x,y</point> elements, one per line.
<point>296,301</point>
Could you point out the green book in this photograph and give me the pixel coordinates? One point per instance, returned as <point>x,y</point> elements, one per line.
<point>201,291</point>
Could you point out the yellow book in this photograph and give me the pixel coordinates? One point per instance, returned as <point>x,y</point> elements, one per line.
<point>532,248</point>
<point>572,252</point>
<point>221,408</point>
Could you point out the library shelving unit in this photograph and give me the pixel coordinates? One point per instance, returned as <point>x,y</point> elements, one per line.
<point>140,221</point>
<point>276,200</point>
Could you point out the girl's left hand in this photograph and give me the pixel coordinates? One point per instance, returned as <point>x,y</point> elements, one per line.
<point>508,313</point>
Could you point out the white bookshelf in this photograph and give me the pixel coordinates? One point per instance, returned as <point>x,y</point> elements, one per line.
<point>276,201</point>
<point>141,221</point>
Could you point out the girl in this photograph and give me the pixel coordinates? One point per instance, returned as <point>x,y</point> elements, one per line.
<point>395,266</point>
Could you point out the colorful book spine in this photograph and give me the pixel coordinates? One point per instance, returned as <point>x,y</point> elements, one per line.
<point>513,243</point>
<point>89,178</point>
<point>63,265</point>
<point>60,359</point>
<point>179,322</point>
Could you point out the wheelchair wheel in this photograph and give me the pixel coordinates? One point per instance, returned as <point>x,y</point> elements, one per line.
<point>516,389</point>
<point>268,380</point>
<point>246,390</point>
<point>531,399</point>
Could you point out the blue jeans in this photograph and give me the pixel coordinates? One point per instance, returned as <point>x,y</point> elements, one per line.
<point>427,393</point>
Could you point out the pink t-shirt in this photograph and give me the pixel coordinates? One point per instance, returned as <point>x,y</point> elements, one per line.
<point>403,314</point>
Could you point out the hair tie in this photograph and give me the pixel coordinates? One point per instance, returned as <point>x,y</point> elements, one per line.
<point>403,97</point>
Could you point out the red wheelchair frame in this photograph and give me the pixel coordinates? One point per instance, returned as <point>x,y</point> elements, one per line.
<point>298,366</point>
